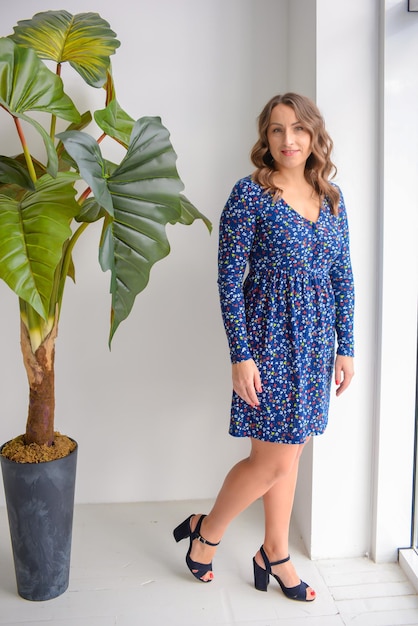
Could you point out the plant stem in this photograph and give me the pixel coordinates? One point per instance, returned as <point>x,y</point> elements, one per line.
<point>26,152</point>
<point>53,126</point>
<point>54,117</point>
<point>65,264</point>
<point>71,244</point>
<point>39,367</point>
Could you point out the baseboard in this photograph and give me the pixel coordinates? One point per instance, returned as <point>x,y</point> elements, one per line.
<point>408,560</point>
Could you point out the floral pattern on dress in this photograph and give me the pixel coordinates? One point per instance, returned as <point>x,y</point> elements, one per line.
<point>286,291</point>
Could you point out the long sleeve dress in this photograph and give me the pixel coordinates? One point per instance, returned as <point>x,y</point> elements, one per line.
<point>286,292</point>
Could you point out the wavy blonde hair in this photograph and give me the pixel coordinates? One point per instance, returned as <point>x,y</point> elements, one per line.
<point>319,168</point>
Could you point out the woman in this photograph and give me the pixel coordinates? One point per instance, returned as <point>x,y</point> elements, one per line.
<point>287,225</point>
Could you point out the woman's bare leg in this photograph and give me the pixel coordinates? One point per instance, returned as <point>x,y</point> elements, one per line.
<point>278,504</point>
<point>250,479</point>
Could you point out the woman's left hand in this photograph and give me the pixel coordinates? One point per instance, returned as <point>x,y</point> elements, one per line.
<point>344,372</point>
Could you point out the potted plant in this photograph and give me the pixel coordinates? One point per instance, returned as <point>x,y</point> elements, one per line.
<point>46,204</point>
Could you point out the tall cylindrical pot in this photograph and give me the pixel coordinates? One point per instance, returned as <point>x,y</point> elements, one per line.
<point>40,505</point>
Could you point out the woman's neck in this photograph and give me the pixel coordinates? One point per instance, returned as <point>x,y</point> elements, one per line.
<point>291,179</point>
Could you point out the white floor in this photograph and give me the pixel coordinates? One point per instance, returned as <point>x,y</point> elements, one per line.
<point>127,570</point>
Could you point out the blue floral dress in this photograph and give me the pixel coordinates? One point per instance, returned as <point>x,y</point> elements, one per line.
<point>286,290</point>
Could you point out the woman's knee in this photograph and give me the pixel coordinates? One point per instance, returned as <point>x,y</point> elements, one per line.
<point>275,460</point>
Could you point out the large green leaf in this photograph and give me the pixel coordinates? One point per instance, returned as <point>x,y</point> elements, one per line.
<point>145,192</point>
<point>26,84</point>
<point>32,233</point>
<point>84,40</point>
<point>146,196</point>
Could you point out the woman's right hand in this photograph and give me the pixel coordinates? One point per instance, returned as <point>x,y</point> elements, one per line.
<point>246,381</point>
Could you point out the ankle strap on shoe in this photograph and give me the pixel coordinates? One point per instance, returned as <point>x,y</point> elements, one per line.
<point>203,540</point>
<point>196,534</point>
<point>267,562</point>
<point>281,561</point>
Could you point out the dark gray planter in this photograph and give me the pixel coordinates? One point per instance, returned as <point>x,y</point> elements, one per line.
<point>40,504</point>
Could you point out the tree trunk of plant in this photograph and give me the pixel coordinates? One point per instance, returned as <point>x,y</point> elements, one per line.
<point>39,367</point>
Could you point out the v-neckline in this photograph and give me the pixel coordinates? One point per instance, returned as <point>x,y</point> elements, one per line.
<point>305,219</point>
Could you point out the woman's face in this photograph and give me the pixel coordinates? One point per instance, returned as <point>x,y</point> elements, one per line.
<point>289,141</point>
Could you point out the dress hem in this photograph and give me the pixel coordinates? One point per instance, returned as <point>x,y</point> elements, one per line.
<point>290,442</point>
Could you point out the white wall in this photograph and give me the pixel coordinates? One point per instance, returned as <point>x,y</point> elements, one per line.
<point>337,468</point>
<point>302,56</point>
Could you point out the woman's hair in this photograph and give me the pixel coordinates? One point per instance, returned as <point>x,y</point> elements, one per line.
<point>319,167</point>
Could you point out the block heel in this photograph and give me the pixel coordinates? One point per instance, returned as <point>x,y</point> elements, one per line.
<point>182,531</point>
<point>262,578</point>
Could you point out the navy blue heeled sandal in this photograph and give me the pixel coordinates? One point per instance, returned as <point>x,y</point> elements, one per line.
<point>181,532</point>
<point>262,579</point>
